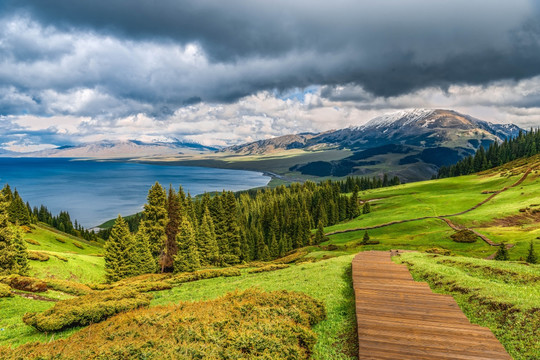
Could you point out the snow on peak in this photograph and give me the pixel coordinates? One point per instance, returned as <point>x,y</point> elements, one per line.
<point>405,117</point>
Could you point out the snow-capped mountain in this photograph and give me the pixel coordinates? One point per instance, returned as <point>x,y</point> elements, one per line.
<point>417,127</point>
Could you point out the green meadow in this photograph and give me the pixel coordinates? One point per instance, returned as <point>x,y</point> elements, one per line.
<point>503,296</point>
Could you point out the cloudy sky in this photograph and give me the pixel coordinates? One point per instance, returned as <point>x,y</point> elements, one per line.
<point>224,72</point>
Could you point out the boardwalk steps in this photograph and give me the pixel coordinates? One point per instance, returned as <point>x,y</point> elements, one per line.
<point>399,318</point>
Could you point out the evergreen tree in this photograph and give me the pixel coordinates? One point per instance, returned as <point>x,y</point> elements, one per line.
<point>531,256</point>
<point>319,235</point>
<point>155,218</point>
<point>273,248</point>
<point>187,258</point>
<point>366,209</point>
<point>142,257</point>
<point>502,253</point>
<point>119,250</point>
<point>365,239</point>
<point>170,249</point>
<point>21,255</point>
<point>8,251</point>
<point>18,212</point>
<point>207,244</point>
<point>354,204</point>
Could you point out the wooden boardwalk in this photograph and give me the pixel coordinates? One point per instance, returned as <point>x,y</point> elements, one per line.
<point>399,318</point>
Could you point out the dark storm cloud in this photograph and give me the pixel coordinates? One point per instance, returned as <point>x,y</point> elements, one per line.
<point>389,47</point>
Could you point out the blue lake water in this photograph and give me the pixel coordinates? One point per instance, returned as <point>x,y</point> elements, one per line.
<point>94,191</point>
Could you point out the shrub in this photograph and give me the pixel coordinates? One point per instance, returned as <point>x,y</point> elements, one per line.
<point>271,267</point>
<point>60,257</point>
<point>331,247</point>
<point>439,251</point>
<point>33,242</point>
<point>241,325</point>
<point>26,229</point>
<point>5,291</point>
<point>68,287</point>
<point>37,256</point>
<point>203,274</point>
<point>61,240</point>
<point>87,309</point>
<point>78,245</point>
<point>24,283</point>
<point>464,236</point>
<point>291,258</point>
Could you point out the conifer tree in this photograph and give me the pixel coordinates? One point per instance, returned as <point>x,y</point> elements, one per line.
<point>142,257</point>
<point>119,252</point>
<point>187,258</point>
<point>354,206</point>
<point>155,218</point>
<point>319,235</point>
<point>273,248</point>
<point>174,208</point>
<point>365,239</point>
<point>531,256</point>
<point>207,244</point>
<point>502,253</point>
<point>21,255</point>
<point>366,209</point>
<point>265,255</point>
<point>18,212</point>
<point>8,252</point>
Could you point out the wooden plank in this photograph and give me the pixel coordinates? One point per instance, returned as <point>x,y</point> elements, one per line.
<point>399,318</point>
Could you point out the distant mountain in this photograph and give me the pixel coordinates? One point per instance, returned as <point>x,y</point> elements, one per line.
<point>412,144</point>
<point>120,149</point>
<point>418,127</point>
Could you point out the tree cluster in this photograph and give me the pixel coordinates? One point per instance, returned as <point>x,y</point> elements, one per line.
<point>523,145</point>
<point>184,233</point>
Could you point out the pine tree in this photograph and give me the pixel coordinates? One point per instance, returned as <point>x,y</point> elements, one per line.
<point>18,212</point>
<point>155,218</point>
<point>502,253</point>
<point>119,251</point>
<point>143,260</point>
<point>170,249</point>
<point>187,258</point>
<point>354,206</point>
<point>207,244</point>
<point>366,209</point>
<point>8,251</point>
<point>531,256</point>
<point>21,255</point>
<point>273,248</point>
<point>319,235</point>
<point>265,255</point>
<point>365,239</point>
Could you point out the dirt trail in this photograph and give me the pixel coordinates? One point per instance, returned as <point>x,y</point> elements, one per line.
<point>442,217</point>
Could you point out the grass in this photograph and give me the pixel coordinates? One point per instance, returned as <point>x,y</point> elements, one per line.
<point>83,264</point>
<point>328,281</point>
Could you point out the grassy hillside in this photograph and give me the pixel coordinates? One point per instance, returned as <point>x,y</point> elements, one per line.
<point>70,258</point>
<point>500,219</point>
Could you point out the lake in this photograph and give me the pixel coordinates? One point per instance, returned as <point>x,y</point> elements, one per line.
<point>96,191</point>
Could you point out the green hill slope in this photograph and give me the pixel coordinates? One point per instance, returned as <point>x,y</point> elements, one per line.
<point>69,257</point>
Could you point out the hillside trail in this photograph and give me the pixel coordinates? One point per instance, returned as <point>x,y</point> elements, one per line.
<point>399,318</point>
<point>441,217</point>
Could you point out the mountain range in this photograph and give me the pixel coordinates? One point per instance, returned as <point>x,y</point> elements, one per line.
<point>120,149</point>
<point>411,144</point>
